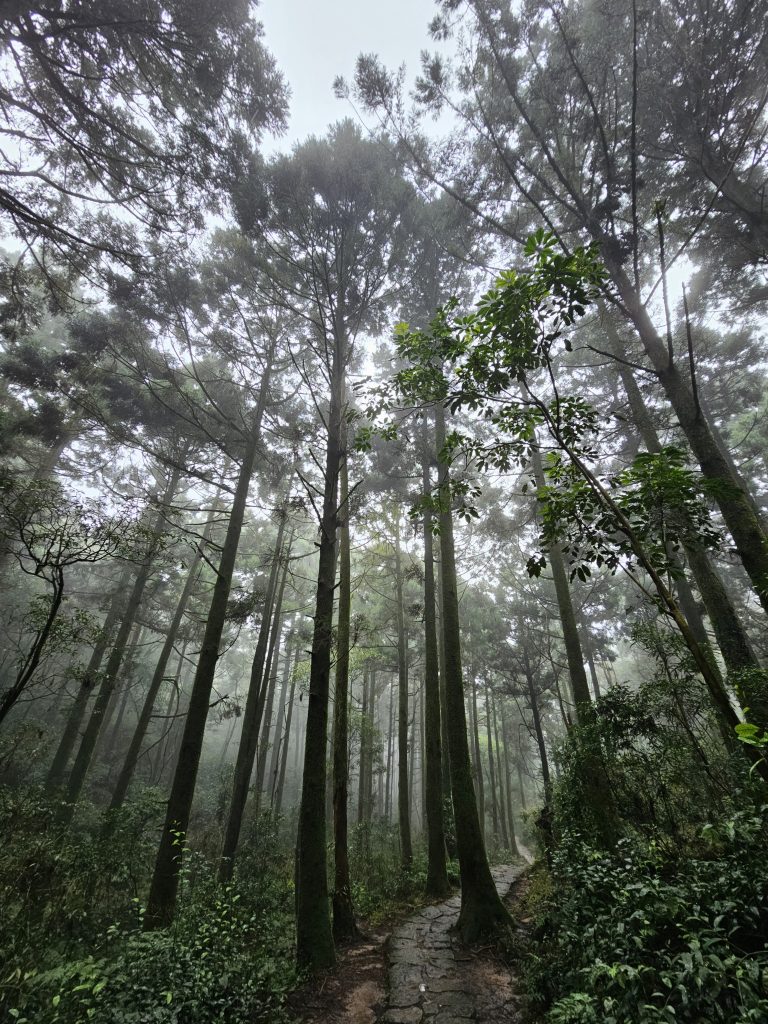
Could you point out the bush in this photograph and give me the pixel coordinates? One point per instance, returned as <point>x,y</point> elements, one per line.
<point>71,940</point>
<point>637,935</point>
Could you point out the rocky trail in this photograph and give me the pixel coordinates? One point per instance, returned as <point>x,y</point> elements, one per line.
<point>435,979</point>
<point>421,973</point>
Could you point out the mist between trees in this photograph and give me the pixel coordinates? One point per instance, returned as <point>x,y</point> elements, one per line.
<point>384,509</point>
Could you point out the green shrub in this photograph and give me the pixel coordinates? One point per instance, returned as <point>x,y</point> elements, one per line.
<point>637,935</point>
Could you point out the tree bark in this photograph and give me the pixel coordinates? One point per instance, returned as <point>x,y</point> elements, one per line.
<point>437,871</point>
<point>90,738</point>
<point>344,927</point>
<point>161,905</point>
<point>739,515</point>
<point>145,716</point>
<point>251,721</point>
<point>56,773</point>
<point>403,807</point>
<point>314,934</point>
<point>482,911</point>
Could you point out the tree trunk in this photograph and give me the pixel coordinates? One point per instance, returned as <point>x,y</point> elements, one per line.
<point>314,935</point>
<point>474,726</point>
<point>739,515</point>
<point>508,777</point>
<point>538,731</point>
<point>491,765</point>
<point>287,735</point>
<point>730,634</point>
<point>482,911</point>
<point>145,717</point>
<point>403,808</point>
<point>390,756</point>
<point>161,905</point>
<point>56,773</point>
<point>35,653</point>
<point>365,737</point>
<point>270,676</point>
<point>344,927</point>
<point>251,721</point>
<point>91,735</point>
<point>277,741</point>
<point>597,790</point>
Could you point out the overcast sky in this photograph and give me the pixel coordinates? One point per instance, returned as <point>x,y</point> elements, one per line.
<point>313,42</point>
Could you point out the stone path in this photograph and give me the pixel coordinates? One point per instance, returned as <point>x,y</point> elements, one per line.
<point>435,979</point>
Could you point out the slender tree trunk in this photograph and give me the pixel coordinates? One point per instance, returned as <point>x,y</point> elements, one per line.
<point>314,935</point>
<point>270,676</point>
<point>344,927</point>
<point>365,729</point>
<point>474,726</point>
<point>732,639</point>
<point>390,756</point>
<point>491,765</point>
<point>500,773</point>
<point>533,700</point>
<point>56,773</point>
<point>277,742</point>
<point>287,735</point>
<point>35,652</point>
<point>597,790</point>
<point>508,777</point>
<point>145,716</point>
<point>735,504</point>
<point>165,879</point>
<point>403,808</point>
<point>482,911</point>
<point>90,738</point>
<point>251,720</point>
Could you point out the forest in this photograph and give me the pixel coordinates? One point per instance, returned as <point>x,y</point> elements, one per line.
<point>384,519</point>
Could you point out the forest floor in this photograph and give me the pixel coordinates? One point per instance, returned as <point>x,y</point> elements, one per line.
<point>419,973</point>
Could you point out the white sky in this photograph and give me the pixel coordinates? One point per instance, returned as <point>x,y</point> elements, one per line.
<point>314,42</point>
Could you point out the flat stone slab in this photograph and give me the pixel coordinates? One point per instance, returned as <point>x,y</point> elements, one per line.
<point>435,979</point>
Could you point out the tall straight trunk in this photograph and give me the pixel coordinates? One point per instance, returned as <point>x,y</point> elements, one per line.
<point>403,807</point>
<point>422,758</point>
<point>446,754</point>
<point>390,756</point>
<point>591,664</point>
<point>533,700</point>
<point>108,744</point>
<point>500,773</point>
<point>368,804</point>
<point>287,736</point>
<point>277,744</point>
<point>482,911</point>
<point>491,765</point>
<point>314,934</point>
<point>730,634</point>
<point>474,726</point>
<point>161,905</point>
<point>734,502</point>
<point>412,753</point>
<point>90,738</point>
<point>108,735</point>
<point>508,778</point>
<point>344,927</point>
<point>365,738</point>
<point>251,720</point>
<point>576,673</point>
<point>56,773</point>
<point>597,789</point>
<point>145,716</point>
<point>270,676</point>
<point>171,720</point>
